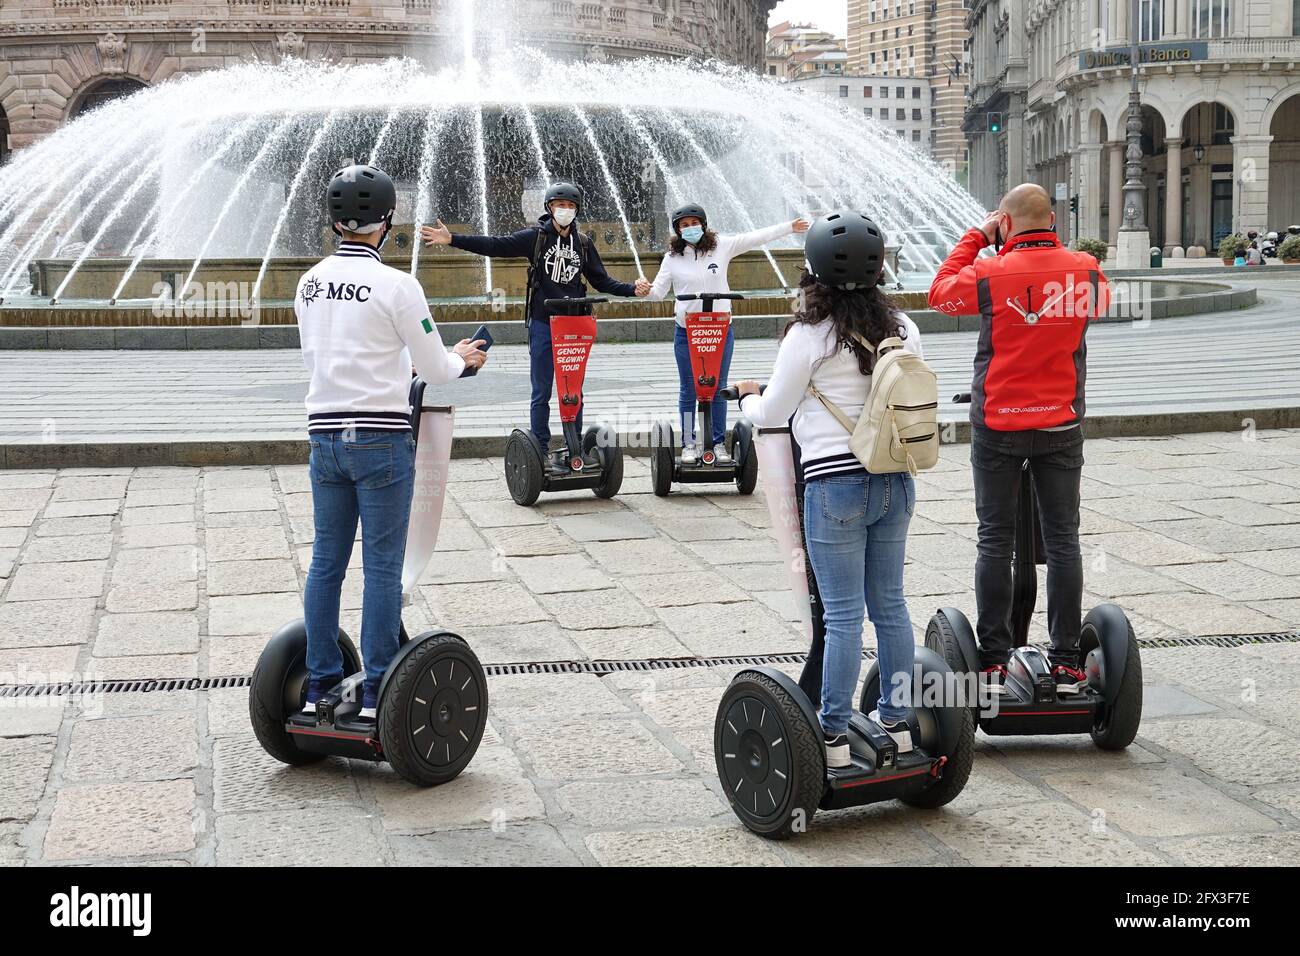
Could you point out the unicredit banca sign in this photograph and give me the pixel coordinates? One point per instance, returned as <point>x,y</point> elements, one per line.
<point>1153,53</point>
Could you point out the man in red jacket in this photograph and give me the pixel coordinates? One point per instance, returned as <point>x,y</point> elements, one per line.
<point>1034,299</point>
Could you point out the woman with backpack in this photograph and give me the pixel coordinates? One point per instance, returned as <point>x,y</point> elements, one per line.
<point>697,260</point>
<point>855,522</point>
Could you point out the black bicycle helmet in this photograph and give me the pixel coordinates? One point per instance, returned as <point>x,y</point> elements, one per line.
<point>563,191</point>
<point>690,209</point>
<point>360,196</point>
<point>845,250</point>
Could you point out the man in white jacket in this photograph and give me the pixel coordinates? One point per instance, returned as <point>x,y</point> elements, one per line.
<point>357,319</point>
<point>697,261</point>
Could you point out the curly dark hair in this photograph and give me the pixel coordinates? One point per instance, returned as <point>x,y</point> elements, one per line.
<point>872,313</point>
<point>678,246</point>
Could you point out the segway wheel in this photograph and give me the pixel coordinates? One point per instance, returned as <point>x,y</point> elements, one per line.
<point>279,687</point>
<point>1116,723</point>
<point>956,771</point>
<point>604,440</point>
<point>946,730</point>
<point>770,760</point>
<point>433,710</point>
<point>524,467</point>
<point>746,456</point>
<point>942,639</point>
<point>661,458</point>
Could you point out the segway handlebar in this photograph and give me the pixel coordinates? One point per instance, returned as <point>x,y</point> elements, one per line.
<point>961,398</point>
<point>584,300</point>
<point>689,296</point>
<point>708,298</point>
<point>732,392</point>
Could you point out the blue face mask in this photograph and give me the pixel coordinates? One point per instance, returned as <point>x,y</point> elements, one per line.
<point>693,234</point>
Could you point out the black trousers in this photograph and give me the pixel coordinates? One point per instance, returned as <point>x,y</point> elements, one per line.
<point>1056,463</point>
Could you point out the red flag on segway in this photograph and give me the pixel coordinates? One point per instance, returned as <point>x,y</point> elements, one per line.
<point>706,339</point>
<point>571,340</point>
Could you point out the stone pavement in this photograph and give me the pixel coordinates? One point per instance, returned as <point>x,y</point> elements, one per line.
<point>158,572</point>
<point>1240,360</point>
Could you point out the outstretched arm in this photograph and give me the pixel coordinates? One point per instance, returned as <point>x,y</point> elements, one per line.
<point>663,281</point>
<point>517,245</point>
<point>749,241</point>
<point>601,280</point>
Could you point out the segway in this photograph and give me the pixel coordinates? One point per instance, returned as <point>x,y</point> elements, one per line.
<point>433,699</point>
<point>767,738</point>
<point>1110,704</point>
<point>593,460</point>
<point>706,340</point>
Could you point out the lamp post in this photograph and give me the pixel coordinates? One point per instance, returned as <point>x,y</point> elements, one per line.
<point>1134,240</point>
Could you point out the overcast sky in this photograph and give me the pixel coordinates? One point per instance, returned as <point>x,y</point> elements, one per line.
<point>830,15</point>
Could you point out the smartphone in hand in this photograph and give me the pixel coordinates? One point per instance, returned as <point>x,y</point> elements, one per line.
<point>486,337</point>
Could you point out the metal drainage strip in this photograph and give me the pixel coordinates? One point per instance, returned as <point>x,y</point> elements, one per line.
<point>597,668</point>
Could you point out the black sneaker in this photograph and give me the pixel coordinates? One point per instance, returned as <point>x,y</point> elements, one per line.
<point>837,751</point>
<point>1069,679</point>
<point>316,689</point>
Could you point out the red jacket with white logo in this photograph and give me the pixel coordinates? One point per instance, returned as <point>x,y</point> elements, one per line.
<point>1034,300</point>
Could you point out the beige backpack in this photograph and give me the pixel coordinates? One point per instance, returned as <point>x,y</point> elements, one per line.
<point>898,429</point>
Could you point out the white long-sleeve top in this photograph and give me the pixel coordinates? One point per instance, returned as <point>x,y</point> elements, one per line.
<point>690,272</point>
<point>357,319</point>
<point>808,356</point>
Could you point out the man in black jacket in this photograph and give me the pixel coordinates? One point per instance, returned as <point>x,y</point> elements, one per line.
<point>559,257</point>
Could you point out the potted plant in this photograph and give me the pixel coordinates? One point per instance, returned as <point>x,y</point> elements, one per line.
<point>1232,246</point>
<point>1289,251</point>
<point>1096,248</point>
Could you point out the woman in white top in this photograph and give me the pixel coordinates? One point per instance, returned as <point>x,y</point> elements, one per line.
<point>697,261</point>
<point>855,523</point>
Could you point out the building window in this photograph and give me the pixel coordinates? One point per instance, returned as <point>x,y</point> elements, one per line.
<point>866,91</point>
<point>916,115</point>
<point>900,92</point>
<point>916,136</point>
<point>900,115</point>
<point>844,91</point>
<point>868,112</point>
<point>1295,18</point>
<point>1149,20</point>
<point>1223,125</point>
<point>1211,18</point>
<point>884,92</point>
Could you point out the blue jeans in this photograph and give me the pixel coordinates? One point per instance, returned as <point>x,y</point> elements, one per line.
<point>367,475</point>
<point>686,393</point>
<point>542,371</point>
<point>856,528</point>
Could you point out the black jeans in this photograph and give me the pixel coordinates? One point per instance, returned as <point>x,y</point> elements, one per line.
<point>1056,463</point>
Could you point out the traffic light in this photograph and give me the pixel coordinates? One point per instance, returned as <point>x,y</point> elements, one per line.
<point>995,122</point>
<point>1074,204</point>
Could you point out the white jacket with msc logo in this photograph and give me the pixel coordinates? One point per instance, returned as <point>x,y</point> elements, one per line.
<point>356,320</point>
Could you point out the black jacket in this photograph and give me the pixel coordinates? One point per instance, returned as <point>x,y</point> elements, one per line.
<point>560,268</point>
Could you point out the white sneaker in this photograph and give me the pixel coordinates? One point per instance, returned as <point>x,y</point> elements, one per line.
<point>690,455</point>
<point>837,751</point>
<point>720,456</point>
<point>900,733</point>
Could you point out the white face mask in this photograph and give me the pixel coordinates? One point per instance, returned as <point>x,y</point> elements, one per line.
<point>564,216</point>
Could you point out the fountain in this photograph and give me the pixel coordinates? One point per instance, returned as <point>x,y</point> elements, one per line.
<point>216,178</point>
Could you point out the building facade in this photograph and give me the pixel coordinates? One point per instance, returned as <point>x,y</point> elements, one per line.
<point>58,57</point>
<point>918,38</point>
<point>1220,134</point>
<point>901,104</point>
<point>801,49</point>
